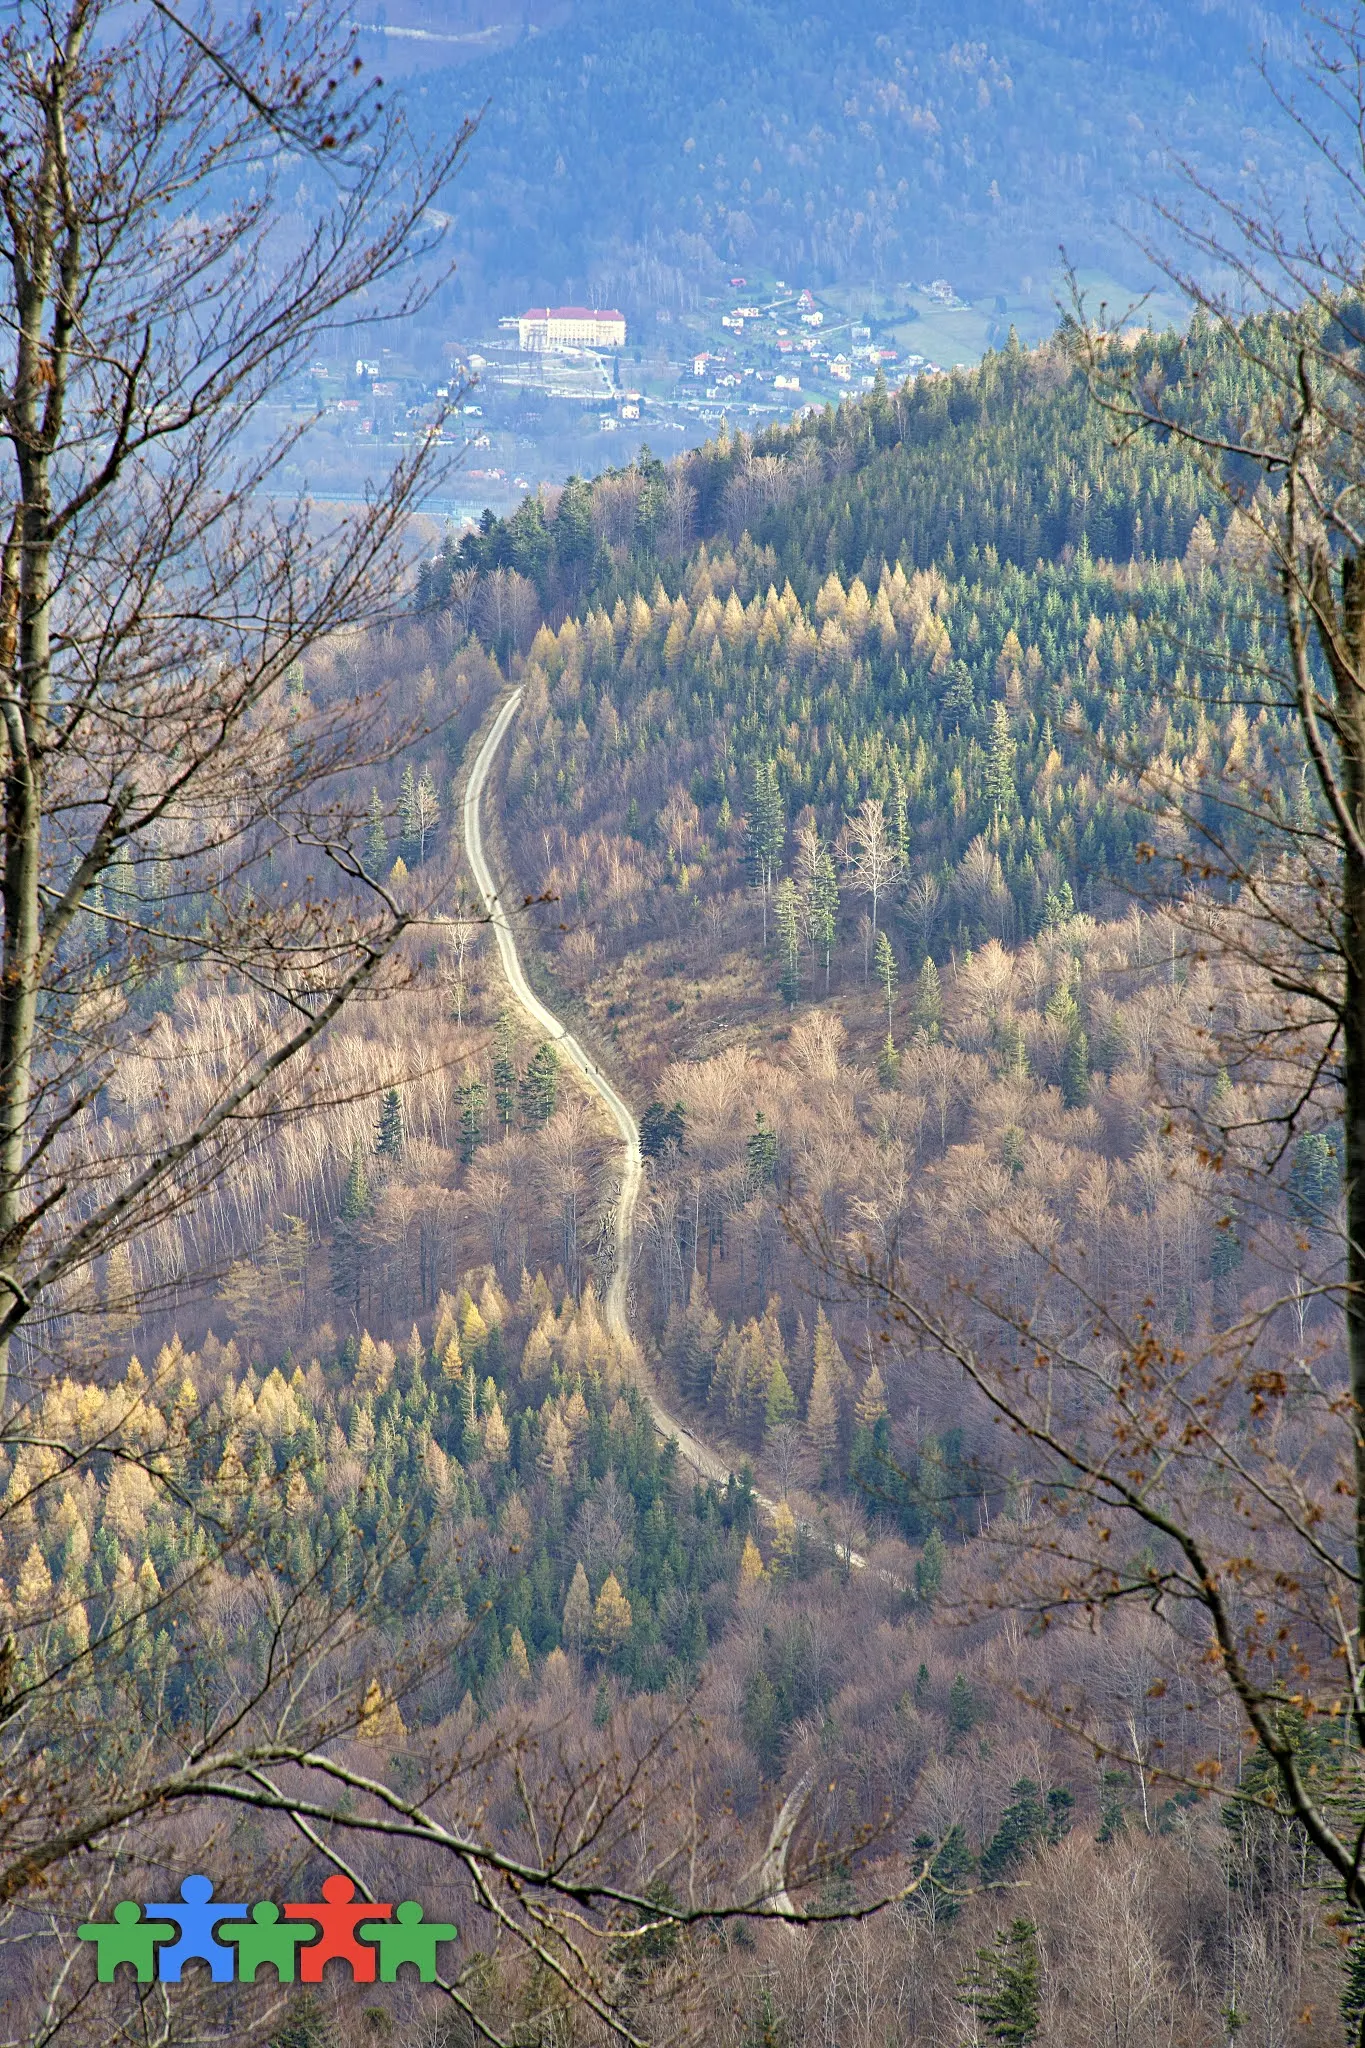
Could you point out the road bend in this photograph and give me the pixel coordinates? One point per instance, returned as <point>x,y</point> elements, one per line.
<point>772,1871</point>
<point>690,1448</point>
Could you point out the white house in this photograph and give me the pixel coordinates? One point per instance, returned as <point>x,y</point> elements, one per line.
<point>571,327</point>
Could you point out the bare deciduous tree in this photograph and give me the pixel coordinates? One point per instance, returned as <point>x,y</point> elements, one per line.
<point>1237,1455</point>
<point>872,858</point>
<point>170,795</point>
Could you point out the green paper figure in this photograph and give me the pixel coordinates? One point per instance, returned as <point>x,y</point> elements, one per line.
<point>265,1939</point>
<point>128,1938</point>
<point>407,1938</point>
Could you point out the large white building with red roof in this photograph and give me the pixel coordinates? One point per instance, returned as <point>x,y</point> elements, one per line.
<point>572,327</point>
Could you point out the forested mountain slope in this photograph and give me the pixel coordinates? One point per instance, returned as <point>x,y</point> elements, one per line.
<point>830,759</point>
<point>823,761</point>
<point>835,762</point>
<point>643,150</point>
<point>957,600</point>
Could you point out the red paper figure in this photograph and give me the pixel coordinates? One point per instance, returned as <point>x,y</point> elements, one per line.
<point>337,1921</point>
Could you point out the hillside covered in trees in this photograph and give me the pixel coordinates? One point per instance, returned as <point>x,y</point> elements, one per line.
<point>957,603</point>
<point>837,759</point>
<point>682,1192</point>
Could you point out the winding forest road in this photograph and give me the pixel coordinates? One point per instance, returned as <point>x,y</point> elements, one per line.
<point>690,1448</point>
<point>773,1868</point>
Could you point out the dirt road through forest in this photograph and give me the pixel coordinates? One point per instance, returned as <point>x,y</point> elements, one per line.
<point>772,1871</point>
<point>616,1305</point>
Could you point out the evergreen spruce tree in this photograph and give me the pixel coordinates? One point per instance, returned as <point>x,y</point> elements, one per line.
<point>898,818</point>
<point>346,1258</point>
<point>822,1420</point>
<point>824,907</point>
<point>1314,1182</point>
<point>767,2030</point>
<point>388,1143</point>
<point>761,1152</point>
<point>787,924</point>
<point>473,1100</point>
<point>505,1070</point>
<point>1013,1049</point>
<point>1059,907</point>
<point>781,1402</point>
<point>471,1436</point>
<point>1076,1068</point>
<point>1113,1806</point>
<point>927,1015</point>
<point>304,2023</point>
<point>1004,1987</point>
<point>540,1087</point>
<point>662,1130</point>
<point>691,1341</point>
<point>963,1713</point>
<point>953,1865</point>
<point>929,1567</point>
<point>1023,1826</point>
<point>1000,768</point>
<point>765,830</point>
<point>887,971</point>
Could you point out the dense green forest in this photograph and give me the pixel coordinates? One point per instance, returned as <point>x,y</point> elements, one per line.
<point>463,1481</point>
<point>957,600</point>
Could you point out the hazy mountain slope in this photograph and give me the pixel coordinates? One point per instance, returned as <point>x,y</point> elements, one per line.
<point>638,149</point>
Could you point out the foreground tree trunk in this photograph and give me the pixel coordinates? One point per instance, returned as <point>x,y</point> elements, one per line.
<point>154,605</point>
<point>1351,727</point>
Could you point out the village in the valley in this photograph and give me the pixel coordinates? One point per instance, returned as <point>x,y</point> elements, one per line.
<point>537,395</point>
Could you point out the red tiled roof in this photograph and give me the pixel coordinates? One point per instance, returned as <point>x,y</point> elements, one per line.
<point>572,313</point>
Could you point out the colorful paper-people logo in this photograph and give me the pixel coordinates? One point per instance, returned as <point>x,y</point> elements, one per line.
<point>234,1940</point>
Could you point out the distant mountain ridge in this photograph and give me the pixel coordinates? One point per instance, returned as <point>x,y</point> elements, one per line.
<point>639,151</point>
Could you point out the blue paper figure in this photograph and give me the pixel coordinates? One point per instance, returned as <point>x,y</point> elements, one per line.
<point>197,1917</point>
